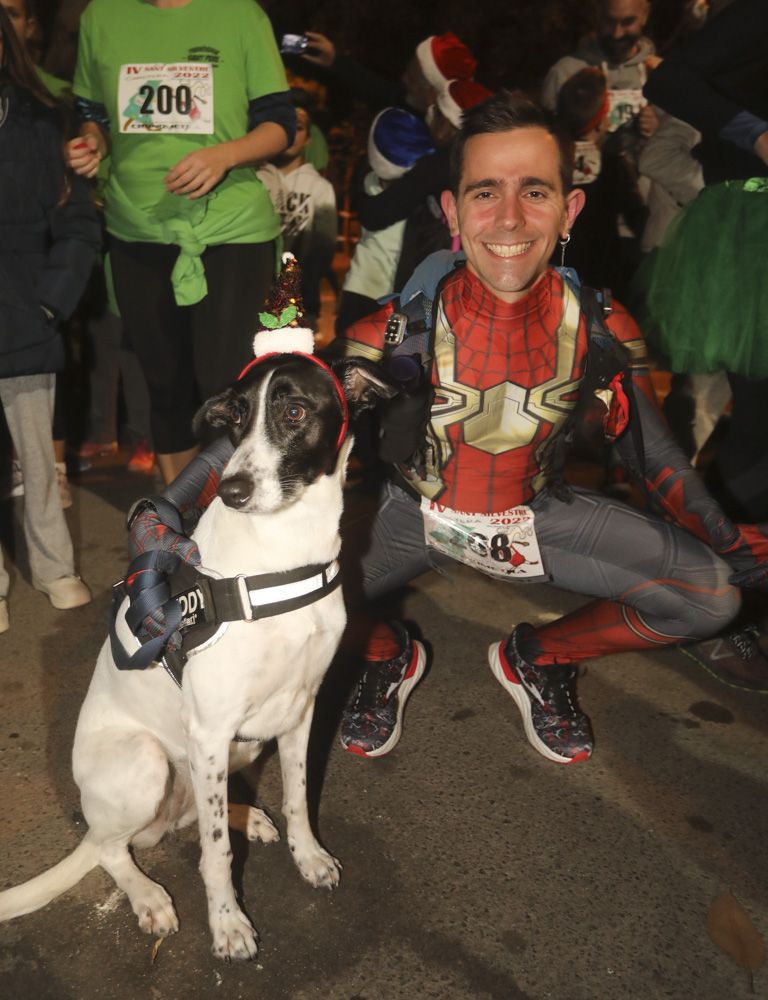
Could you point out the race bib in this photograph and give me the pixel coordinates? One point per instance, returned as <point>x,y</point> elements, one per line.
<point>502,545</point>
<point>623,105</point>
<point>166,97</point>
<point>587,163</point>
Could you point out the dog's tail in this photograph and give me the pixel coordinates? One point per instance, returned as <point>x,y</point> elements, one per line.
<point>41,890</point>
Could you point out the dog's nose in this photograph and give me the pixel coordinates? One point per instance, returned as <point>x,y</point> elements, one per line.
<point>236,491</point>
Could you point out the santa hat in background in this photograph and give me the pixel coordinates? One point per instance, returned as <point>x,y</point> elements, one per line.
<point>443,58</point>
<point>282,330</point>
<point>397,139</point>
<point>459,96</point>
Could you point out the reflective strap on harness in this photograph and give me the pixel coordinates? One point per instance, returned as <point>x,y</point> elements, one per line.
<point>196,605</point>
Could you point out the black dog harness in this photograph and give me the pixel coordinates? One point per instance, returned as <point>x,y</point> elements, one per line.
<point>200,606</point>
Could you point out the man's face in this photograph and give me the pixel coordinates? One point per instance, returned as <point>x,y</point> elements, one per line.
<point>17,12</point>
<point>621,26</point>
<point>511,209</point>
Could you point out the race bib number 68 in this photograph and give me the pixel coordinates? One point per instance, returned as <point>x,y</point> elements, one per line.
<point>166,98</point>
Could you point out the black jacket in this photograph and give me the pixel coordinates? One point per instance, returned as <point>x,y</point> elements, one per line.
<point>47,247</point>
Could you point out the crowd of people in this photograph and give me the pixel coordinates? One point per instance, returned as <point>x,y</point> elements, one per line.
<point>492,227</point>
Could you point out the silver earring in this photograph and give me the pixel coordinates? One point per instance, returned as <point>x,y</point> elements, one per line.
<point>563,241</point>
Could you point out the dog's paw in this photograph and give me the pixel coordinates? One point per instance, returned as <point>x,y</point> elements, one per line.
<point>233,935</point>
<point>319,868</point>
<point>260,827</point>
<point>155,912</point>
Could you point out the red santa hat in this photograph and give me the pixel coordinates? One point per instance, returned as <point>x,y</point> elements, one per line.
<point>443,58</point>
<point>459,96</point>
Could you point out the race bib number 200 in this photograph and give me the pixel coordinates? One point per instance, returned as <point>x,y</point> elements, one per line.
<point>502,544</point>
<point>166,97</point>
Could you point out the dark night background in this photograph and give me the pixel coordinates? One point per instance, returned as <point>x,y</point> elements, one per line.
<point>515,42</point>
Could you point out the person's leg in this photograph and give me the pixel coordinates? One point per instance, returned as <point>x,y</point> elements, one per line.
<point>239,278</point>
<point>393,553</point>
<point>160,332</point>
<point>28,404</point>
<point>742,460</point>
<point>656,585</point>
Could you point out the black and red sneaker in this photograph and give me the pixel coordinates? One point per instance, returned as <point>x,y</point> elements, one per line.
<point>372,720</point>
<point>546,698</point>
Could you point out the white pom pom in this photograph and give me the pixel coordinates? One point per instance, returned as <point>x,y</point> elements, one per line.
<point>284,340</point>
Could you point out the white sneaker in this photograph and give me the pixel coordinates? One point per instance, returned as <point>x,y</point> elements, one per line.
<point>5,623</point>
<point>65,494</point>
<point>66,592</point>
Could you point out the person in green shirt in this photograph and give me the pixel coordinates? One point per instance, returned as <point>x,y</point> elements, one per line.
<point>186,96</point>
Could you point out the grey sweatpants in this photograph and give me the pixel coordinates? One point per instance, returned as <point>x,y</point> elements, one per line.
<point>28,404</point>
<point>593,545</point>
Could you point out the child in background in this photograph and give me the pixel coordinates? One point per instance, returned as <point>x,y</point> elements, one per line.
<point>396,141</point>
<point>595,250</point>
<point>306,204</point>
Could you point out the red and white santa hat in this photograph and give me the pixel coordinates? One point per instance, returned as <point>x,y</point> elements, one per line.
<point>443,58</point>
<point>459,96</point>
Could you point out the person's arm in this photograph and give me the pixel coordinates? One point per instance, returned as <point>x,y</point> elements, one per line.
<point>682,85</point>
<point>673,487</point>
<point>666,159</point>
<point>429,176</point>
<point>375,90</point>
<point>75,242</point>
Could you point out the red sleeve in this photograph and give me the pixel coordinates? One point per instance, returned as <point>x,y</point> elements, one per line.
<point>365,338</point>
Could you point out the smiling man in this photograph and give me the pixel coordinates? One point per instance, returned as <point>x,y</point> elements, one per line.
<point>511,345</point>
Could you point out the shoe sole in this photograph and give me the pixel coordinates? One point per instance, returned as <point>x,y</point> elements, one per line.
<point>516,691</point>
<point>719,677</point>
<point>412,677</point>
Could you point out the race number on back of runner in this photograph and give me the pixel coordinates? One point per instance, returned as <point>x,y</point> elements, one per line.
<point>166,97</point>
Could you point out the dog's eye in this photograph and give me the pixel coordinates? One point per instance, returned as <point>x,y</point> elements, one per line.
<point>295,413</point>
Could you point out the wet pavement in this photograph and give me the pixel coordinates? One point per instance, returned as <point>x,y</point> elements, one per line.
<point>473,868</point>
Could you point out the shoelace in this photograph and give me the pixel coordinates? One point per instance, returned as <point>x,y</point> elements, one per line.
<point>745,642</point>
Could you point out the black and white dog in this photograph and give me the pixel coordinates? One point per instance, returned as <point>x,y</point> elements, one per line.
<point>150,757</point>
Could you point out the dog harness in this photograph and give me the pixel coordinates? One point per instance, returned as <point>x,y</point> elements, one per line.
<point>200,607</point>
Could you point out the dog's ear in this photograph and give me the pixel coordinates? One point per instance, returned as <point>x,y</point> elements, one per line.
<point>364,383</point>
<point>218,411</point>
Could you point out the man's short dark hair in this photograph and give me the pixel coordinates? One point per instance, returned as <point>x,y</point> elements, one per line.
<point>504,112</point>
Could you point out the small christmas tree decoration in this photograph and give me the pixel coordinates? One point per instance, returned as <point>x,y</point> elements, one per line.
<point>281,325</point>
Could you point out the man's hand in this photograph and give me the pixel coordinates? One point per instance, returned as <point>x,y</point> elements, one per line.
<point>320,50</point>
<point>197,173</point>
<point>83,155</point>
<point>147,531</point>
<point>647,122</point>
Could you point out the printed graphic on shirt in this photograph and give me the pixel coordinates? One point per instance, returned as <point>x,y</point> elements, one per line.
<point>204,54</point>
<point>166,97</point>
<point>296,212</point>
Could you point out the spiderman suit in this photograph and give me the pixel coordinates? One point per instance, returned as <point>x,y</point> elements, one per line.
<point>506,379</point>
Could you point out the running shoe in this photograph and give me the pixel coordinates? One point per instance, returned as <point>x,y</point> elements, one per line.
<point>142,459</point>
<point>93,449</point>
<point>373,718</point>
<point>546,697</point>
<point>737,658</point>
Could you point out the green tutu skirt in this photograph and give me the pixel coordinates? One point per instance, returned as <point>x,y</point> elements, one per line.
<point>701,298</point>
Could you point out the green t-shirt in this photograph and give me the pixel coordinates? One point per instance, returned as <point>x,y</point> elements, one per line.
<point>153,66</point>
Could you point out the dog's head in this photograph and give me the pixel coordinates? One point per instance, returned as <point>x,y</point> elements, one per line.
<point>288,415</point>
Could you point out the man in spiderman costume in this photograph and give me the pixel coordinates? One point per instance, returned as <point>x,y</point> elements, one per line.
<point>511,344</point>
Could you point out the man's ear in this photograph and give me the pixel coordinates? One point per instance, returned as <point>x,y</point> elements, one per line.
<point>364,383</point>
<point>449,207</point>
<point>574,202</point>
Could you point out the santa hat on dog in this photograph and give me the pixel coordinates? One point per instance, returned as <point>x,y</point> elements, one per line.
<point>282,330</point>
<point>459,96</point>
<point>443,58</point>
